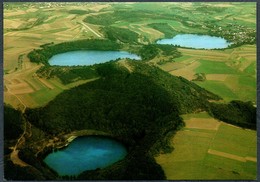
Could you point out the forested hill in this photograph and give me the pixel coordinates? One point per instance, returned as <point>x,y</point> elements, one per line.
<point>121,100</point>
<point>139,105</point>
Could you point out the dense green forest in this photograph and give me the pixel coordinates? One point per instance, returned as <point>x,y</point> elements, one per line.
<point>13,123</point>
<point>120,34</point>
<point>236,112</point>
<point>150,51</point>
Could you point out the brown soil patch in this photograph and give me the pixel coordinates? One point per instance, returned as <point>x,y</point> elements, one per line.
<point>18,86</point>
<point>16,160</point>
<point>226,155</point>
<point>32,10</point>
<point>186,72</point>
<point>33,83</point>
<point>23,91</point>
<point>217,77</point>
<point>71,16</point>
<point>64,35</point>
<point>46,26</point>
<point>247,20</point>
<point>15,81</point>
<point>155,34</point>
<point>204,53</point>
<point>12,23</point>
<point>34,35</point>
<point>252,159</point>
<point>11,13</point>
<point>125,64</point>
<point>203,123</point>
<point>99,7</point>
<point>46,83</point>
<point>172,66</point>
<point>222,5</point>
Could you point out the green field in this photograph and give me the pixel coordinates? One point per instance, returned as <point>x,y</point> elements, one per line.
<point>192,159</point>
<point>214,67</point>
<point>231,140</point>
<point>219,88</point>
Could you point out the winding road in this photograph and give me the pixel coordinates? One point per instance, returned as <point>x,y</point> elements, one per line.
<point>8,90</point>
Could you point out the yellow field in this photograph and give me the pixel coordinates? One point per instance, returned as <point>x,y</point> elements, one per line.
<point>208,149</point>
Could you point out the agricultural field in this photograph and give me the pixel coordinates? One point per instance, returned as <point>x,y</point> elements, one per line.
<point>213,148</point>
<point>24,32</point>
<point>230,73</point>
<point>29,26</point>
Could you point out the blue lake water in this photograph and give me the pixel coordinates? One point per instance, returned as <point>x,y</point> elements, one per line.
<point>196,41</point>
<point>88,57</point>
<point>86,153</point>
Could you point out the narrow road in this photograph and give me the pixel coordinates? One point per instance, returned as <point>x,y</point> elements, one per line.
<point>8,90</point>
<point>90,29</point>
<point>14,155</point>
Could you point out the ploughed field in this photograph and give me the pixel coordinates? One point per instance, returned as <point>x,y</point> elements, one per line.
<point>206,148</point>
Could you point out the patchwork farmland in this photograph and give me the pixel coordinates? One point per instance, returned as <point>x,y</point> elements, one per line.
<point>216,149</point>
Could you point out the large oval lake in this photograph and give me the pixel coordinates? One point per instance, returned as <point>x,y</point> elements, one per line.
<point>88,57</point>
<point>196,41</point>
<point>86,153</point>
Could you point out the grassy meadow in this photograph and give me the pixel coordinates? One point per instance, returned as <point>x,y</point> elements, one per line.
<point>210,147</point>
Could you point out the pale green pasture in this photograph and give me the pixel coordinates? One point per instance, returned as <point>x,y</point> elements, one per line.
<point>243,86</point>
<point>190,159</point>
<point>235,140</point>
<point>43,96</point>
<point>214,67</point>
<point>219,88</point>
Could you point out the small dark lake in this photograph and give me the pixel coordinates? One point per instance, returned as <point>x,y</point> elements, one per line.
<point>196,41</point>
<point>86,153</point>
<point>88,57</point>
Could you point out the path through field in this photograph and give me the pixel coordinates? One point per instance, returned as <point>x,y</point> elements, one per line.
<point>14,155</point>
<point>85,25</point>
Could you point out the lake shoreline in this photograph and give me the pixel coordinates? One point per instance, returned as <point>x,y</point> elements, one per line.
<point>87,153</point>
<point>89,57</point>
<point>196,41</point>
